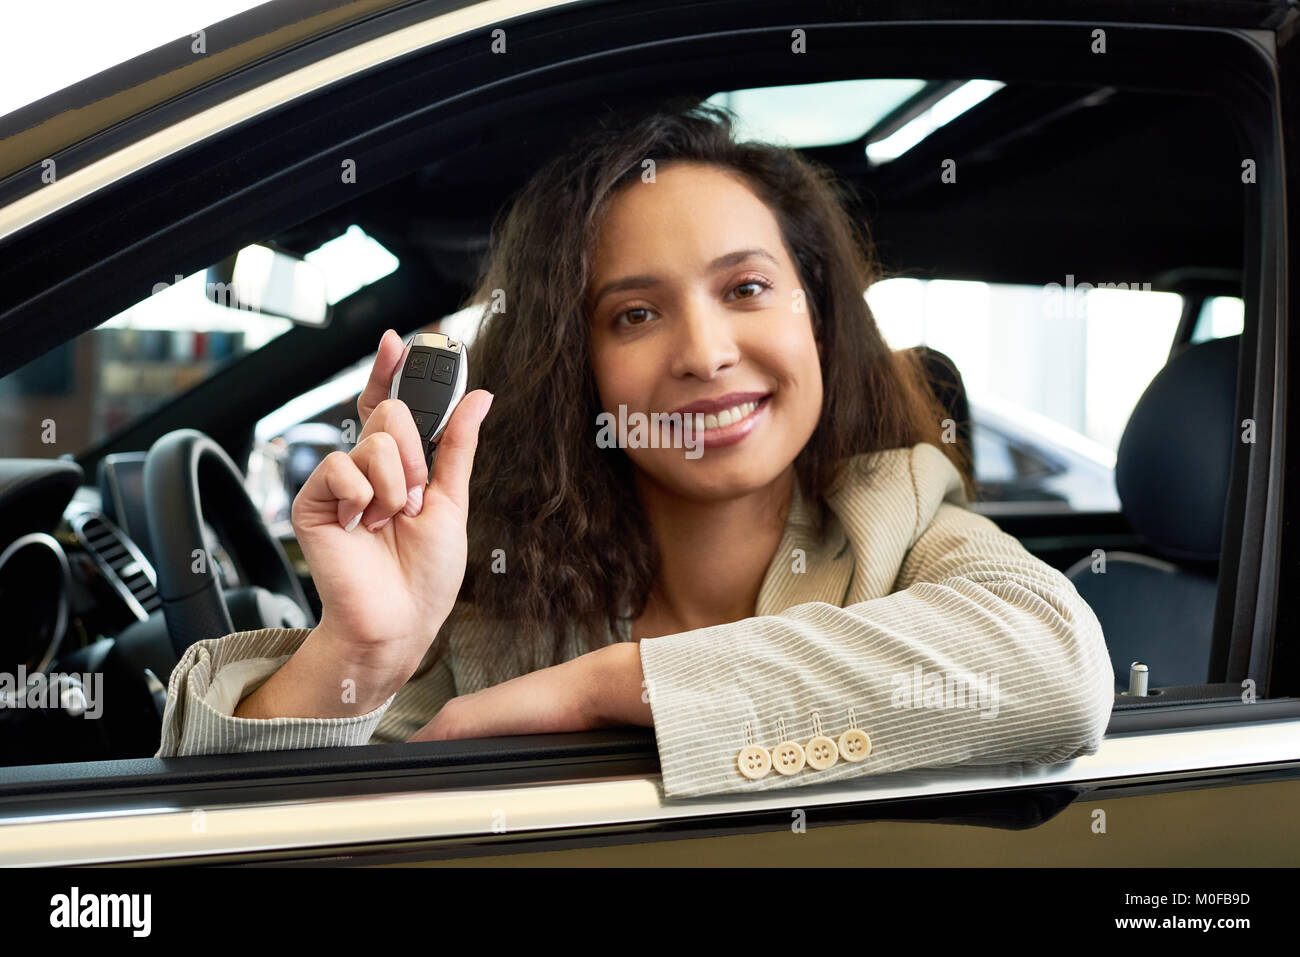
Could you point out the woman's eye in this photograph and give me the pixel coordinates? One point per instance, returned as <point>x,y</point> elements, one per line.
<point>640,315</point>
<point>760,285</point>
<point>633,317</point>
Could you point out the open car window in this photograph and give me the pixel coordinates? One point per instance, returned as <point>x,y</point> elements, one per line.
<point>185,332</point>
<point>1052,373</point>
<point>129,366</point>
<point>1220,316</point>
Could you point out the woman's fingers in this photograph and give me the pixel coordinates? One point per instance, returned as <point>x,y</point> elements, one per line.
<point>381,375</point>
<point>378,458</point>
<point>393,416</point>
<point>336,492</point>
<point>386,472</point>
<point>373,481</point>
<point>455,458</point>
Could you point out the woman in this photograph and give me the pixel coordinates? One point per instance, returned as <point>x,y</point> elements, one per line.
<point>792,595</point>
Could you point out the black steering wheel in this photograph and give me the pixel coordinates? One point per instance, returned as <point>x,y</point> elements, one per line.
<point>188,478</point>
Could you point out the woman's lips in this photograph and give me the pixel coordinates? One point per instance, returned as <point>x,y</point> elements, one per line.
<point>716,435</point>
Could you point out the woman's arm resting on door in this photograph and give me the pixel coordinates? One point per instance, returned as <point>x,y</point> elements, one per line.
<point>976,612</point>
<point>216,674</point>
<point>600,689</point>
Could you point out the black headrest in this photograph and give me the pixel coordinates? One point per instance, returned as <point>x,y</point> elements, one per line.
<point>1175,457</point>
<point>948,386</point>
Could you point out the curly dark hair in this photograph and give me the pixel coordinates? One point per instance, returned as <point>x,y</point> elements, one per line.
<point>562,511</point>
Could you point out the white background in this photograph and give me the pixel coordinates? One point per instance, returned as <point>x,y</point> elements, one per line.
<point>47,46</point>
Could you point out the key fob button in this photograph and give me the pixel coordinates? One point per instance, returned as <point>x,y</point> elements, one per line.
<point>418,366</point>
<point>426,422</point>
<point>444,369</point>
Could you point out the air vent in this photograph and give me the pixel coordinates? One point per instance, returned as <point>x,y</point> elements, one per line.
<point>122,564</point>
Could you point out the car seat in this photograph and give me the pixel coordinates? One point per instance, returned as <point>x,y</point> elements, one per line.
<point>1172,470</point>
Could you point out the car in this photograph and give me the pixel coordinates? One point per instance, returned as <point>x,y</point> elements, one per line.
<point>147,422</point>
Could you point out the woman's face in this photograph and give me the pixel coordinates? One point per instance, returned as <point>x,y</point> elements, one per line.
<point>695,306</point>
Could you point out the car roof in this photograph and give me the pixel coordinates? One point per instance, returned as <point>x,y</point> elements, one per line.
<point>273,37</point>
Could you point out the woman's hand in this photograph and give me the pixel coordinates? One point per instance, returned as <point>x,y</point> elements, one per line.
<point>381,375</point>
<point>385,543</point>
<point>604,688</point>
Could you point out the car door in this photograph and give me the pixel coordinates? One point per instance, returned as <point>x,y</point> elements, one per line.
<point>253,156</point>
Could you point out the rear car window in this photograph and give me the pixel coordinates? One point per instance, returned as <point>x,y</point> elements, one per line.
<point>1052,373</point>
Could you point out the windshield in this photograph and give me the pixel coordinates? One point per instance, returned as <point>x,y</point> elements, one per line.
<point>103,381</point>
<point>85,390</point>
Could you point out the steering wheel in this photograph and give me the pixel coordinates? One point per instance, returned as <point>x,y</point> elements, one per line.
<point>188,477</point>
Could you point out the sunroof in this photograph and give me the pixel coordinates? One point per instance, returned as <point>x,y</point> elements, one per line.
<point>814,114</point>
<point>939,113</point>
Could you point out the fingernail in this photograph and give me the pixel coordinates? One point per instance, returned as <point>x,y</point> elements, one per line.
<point>486,405</point>
<point>414,499</point>
<point>378,525</point>
<point>353,524</point>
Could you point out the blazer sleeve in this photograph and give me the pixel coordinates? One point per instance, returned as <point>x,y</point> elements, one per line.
<point>970,604</point>
<point>215,674</point>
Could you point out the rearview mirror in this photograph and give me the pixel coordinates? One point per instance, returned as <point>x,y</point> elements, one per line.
<point>272,282</point>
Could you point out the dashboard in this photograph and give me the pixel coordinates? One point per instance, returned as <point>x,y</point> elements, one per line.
<point>79,595</point>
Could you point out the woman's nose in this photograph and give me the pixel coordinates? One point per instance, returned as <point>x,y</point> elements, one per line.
<point>703,344</point>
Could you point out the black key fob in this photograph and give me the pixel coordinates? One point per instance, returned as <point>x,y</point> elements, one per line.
<point>431,379</point>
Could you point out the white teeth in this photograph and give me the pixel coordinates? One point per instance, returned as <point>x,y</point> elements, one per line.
<point>729,416</point>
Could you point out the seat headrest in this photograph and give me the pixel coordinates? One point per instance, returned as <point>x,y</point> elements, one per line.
<point>1175,456</point>
<point>949,389</point>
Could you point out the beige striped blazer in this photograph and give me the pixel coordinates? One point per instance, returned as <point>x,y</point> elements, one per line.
<point>911,620</point>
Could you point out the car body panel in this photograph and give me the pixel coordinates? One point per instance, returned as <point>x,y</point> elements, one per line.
<point>182,825</point>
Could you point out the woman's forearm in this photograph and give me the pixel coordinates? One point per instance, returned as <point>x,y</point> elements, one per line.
<point>325,678</point>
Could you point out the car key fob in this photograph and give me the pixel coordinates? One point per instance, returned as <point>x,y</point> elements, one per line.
<point>431,379</point>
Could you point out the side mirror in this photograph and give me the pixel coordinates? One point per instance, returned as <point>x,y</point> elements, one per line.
<point>271,282</point>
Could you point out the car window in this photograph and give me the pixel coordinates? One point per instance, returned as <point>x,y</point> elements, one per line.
<point>1052,374</point>
<point>103,380</point>
<point>1053,371</point>
<point>133,363</point>
<point>1220,316</point>
<point>816,114</point>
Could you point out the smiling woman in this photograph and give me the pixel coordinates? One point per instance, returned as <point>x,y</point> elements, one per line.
<point>796,604</point>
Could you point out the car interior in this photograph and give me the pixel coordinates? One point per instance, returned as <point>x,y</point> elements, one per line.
<point>1095,175</point>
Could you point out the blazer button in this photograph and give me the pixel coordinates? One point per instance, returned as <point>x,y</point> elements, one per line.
<point>788,757</point>
<point>822,753</point>
<point>754,761</point>
<point>854,745</point>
